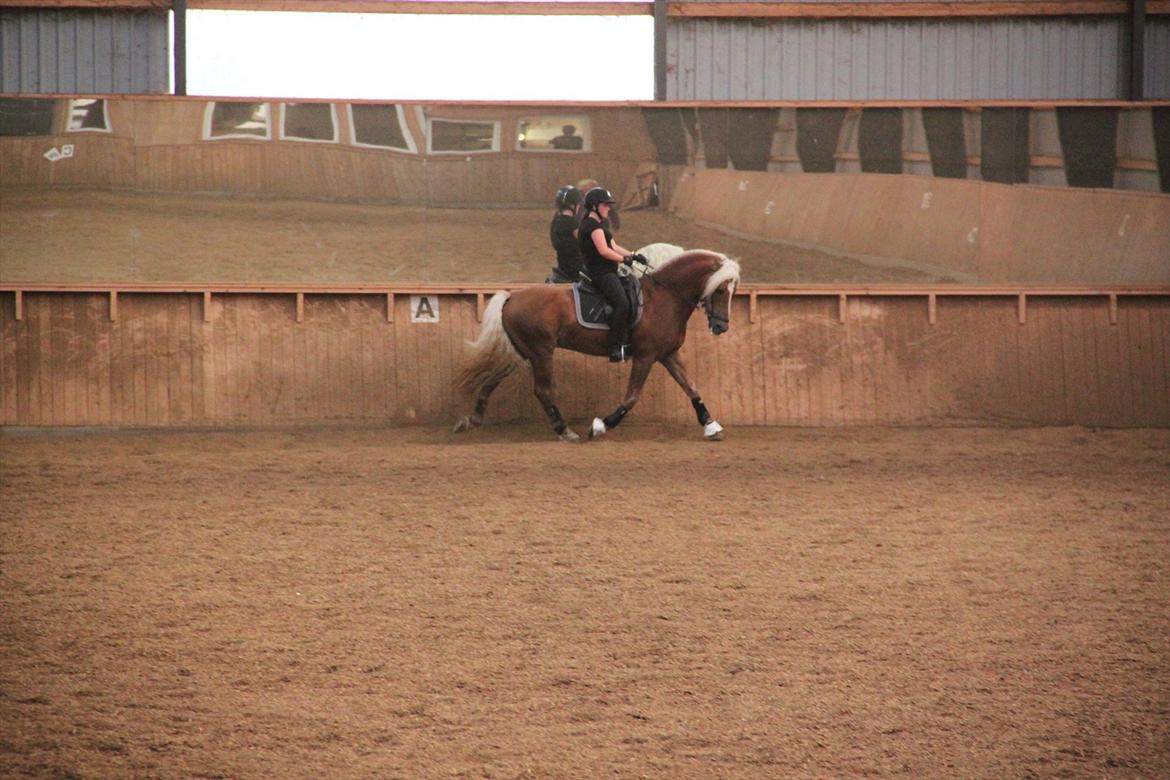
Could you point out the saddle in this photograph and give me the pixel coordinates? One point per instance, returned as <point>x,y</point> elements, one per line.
<point>594,312</point>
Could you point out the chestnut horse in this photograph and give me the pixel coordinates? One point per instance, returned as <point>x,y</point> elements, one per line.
<point>528,325</point>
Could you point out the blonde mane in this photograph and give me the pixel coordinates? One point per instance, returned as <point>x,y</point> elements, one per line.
<point>728,270</point>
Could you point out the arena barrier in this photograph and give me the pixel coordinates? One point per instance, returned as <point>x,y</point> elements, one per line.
<point>968,231</point>
<point>159,355</point>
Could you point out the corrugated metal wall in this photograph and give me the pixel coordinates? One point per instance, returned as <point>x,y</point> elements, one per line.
<point>83,51</point>
<point>1157,71</point>
<point>908,59</point>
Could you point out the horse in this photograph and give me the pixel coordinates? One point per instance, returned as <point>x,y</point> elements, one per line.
<point>527,326</point>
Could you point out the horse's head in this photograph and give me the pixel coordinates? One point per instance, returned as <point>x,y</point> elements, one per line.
<point>704,278</point>
<point>717,294</point>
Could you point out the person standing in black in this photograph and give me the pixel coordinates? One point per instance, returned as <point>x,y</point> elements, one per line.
<point>562,232</point>
<point>602,258</point>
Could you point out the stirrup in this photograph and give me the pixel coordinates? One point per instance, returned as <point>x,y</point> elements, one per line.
<point>619,354</point>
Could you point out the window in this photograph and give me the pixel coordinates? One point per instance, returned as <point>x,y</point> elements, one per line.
<point>309,122</point>
<point>559,133</point>
<point>88,114</point>
<point>379,126</point>
<point>20,116</point>
<point>455,136</point>
<point>236,120</point>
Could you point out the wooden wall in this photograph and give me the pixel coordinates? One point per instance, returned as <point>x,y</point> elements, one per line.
<point>162,362</point>
<point>157,145</point>
<point>971,231</point>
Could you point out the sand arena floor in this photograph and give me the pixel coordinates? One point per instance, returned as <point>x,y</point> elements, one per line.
<point>408,603</point>
<point>88,236</point>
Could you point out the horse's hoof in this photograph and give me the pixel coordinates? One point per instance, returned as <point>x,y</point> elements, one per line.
<point>597,429</point>
<point>569,436</point>
<point>464,424</point>
<point>713,431</point>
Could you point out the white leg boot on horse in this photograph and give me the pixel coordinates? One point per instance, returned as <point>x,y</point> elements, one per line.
<point>638,374</point>
<point>712,430</point>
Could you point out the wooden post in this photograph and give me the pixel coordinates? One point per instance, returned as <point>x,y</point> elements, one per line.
<point>207,305</point>
<point>113,305</point>
<point>1112,308</point>
<point>1022,308</point>
<point>300,307</point>
<point>479,307</point>
<point>389,307</point>
<point>841,302</point>
<point>19,305</point>
<point>753,312</point>
<point>932,308</point>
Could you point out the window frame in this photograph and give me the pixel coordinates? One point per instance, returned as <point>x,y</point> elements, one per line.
<point>412,147</point>
<point>210,110</point>
<point>496,128</point>
<point>282,136</point>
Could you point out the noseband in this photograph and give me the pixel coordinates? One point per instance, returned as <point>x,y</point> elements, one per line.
<point>713,317</point>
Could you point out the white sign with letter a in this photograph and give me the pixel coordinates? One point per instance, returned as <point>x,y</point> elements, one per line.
<point>424,308</point>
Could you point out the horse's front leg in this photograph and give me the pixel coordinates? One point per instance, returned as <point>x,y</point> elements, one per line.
<point>712,430</point>
<point>542,384</point>
<point>638,374</point>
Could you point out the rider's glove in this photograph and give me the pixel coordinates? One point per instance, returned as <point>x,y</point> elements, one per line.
<point>628,260</point>
<point>638,257</point>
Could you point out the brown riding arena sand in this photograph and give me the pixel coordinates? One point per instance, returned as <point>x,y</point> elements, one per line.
<point>88,236</point>
<point>791,603</point>
<point>363,602</point>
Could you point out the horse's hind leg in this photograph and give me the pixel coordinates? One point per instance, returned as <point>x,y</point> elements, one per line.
<point>542,385</point>
<point>712,430</point>
<point>475,419</point>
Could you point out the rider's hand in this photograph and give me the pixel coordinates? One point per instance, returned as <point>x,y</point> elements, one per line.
<point>628,260</point>
<point>638,257</point>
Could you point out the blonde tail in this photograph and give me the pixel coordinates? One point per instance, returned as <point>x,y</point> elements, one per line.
<point>491,356</point>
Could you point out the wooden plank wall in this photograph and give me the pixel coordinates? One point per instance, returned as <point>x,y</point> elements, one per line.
<point>162,363</point>
<point>971,230</point>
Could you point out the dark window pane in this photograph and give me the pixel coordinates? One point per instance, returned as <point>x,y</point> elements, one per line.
<point>310,121</point>
<point>19,116</point>
<point>378,125</point>
<point>461,136</point>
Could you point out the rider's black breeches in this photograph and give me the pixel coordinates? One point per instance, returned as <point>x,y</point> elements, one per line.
<point>615,294</point>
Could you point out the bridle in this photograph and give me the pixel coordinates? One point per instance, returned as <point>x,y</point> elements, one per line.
<point>713,317</point>
<point>707,304</point>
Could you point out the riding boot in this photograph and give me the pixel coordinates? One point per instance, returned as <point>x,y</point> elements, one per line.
<point>619,338</point>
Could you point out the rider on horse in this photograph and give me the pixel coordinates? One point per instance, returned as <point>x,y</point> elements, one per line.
<point>602,258</point>
<point>562,232</point>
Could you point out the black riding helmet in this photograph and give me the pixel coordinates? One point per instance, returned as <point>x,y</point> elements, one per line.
<point>596,196</point>
<point>567,197</point>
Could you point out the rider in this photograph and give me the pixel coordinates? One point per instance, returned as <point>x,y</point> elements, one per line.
<point>602,258</point>
<point>562,232</point>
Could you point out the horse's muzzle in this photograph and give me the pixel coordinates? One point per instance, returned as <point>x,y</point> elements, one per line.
<point>717,324</point>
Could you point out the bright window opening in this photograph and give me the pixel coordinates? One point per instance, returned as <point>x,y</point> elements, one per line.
<point>554,133</point>
<point>88,115</point>
<point>237,120</point>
